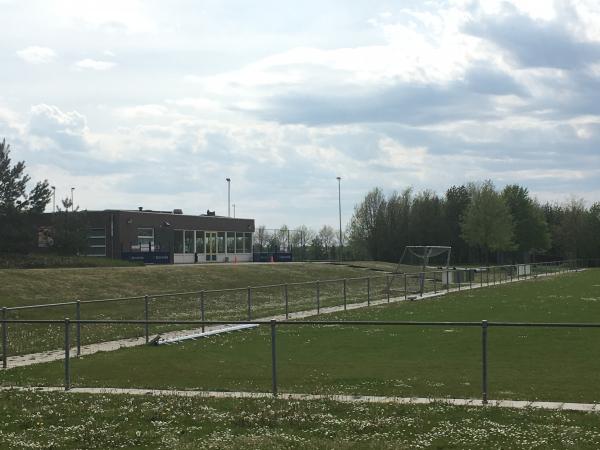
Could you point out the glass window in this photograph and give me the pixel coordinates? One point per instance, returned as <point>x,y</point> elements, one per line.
<point>96,242</point>
<point>230,242</point>
<point>145,239</point>
<point>199,241</point>
<point>239,242</point>
<point>248,243</point>
<point>189,242</point>
<point>178,241</point>
<point>221,242</point>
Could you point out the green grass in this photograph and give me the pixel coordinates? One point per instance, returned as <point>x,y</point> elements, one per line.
<point>43,286</point>
<point>528,364</point>
<point>56,420</point>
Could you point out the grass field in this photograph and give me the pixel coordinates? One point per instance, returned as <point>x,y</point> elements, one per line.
<point>527,364</point>
<point>55,420</point>
<point>46,286</point>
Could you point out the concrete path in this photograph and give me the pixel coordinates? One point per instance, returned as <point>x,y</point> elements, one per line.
<point>55,355</point>
<point>515,404</point>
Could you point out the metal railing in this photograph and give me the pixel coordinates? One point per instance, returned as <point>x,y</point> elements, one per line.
<point>265,300</point>
<point>484,325</point>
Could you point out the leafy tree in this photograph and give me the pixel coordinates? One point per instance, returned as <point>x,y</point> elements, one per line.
<point>456,202</point>
<point>487,223</point>
<point>17,206</point>
<point>531,229</point>
<point>362,236</point>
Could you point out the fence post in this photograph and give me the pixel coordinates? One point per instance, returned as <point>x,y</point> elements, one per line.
<point>405,287</point>
<point>447,281</point>
<point>202,316</point>
<point>78,327</point>
<point>388,285</point>
<point>368,291</point>
<point>471,276</point>
<point>458,277</point>
<point>484,327</point>
<point>345,301</point>
<point>67,354</point>
<point>434,283</point>
<point>318,297</point>
<point>4,339</point>
<point>487,275</point>
<point>146,330</point>
<point>249,303</point>
<point>494,275</point>
<point>274,357</point>
<point>285,294</point>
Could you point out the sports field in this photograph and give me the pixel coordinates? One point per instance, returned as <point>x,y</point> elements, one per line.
<point>524,364</point>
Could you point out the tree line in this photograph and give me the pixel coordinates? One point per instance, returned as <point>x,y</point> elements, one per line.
<point>479,222</point>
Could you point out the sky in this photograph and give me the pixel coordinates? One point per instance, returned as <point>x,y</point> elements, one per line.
<point>154,103</point>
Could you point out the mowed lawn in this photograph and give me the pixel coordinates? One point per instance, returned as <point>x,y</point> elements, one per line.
<point>65,421</point>
<point>525,364</point>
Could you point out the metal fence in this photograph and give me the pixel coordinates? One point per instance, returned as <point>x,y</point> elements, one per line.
<point>484,325</point>
<point>244,303</point>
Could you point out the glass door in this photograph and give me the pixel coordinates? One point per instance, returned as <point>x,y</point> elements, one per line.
<point>211,246</point>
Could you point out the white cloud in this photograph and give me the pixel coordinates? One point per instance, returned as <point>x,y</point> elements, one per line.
<point>37,55</point>
<point>93,64</point>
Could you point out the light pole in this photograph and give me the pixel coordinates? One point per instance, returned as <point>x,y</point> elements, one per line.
<point>53,199</point>
<point>233,210</point>
<point>340,210</point>
<point>72,202</point>
<point>228,197</point>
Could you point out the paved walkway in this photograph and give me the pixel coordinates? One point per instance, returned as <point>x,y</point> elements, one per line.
<point>54,355</point>
<point>515,404</point>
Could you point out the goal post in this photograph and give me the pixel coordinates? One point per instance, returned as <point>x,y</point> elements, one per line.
<point>419,259</point>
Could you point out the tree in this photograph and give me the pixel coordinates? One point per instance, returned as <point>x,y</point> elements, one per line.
<point>362,233</point>
<point>327,238</point>
<point>18,207</point>
<point>455,205</point>
<point>487,223</point>
<point>531,229</point>
<point>70,229</point>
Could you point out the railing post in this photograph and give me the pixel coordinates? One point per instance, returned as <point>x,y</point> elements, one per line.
<point>405,287</point>
<point>285,295</point>
<point>368,291</point>
<point>434,283</point>
<point>494,276</point>
<point>274,356</point>
<point>471,276</point>
<point>4,339</point>
<point>345,300</point>
<point>458,277</point>
<point>146,327</point>
<point>67,354</point>
<point>388,285</point>
<point>487,275</point>
<point>318,297</point>
<point>480,277</point>
<point>78,327</point>
<point>447,281</point>
<point>249,303</point>
<point>484,327</point>
<point>202,312</point>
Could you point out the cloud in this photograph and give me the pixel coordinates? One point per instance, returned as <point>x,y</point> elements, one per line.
<point>58,130</point>
<point>93,64</point>
<point>536,43</point>
<point>37,55</point>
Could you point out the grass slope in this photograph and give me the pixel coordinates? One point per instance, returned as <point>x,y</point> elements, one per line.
<point>531,364</point>
<point>55,420</point>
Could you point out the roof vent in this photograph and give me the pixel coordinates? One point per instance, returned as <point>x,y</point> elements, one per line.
<point>210,213</point>
<point>177,211</point>
<point>140,208</point>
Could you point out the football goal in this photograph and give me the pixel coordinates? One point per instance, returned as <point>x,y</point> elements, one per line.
<point>420,259</point>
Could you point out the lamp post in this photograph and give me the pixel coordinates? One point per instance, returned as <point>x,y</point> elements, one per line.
<point>340,211</point>
<point>228,197</point>
<point>233,210</point>
<point>53,198</point>
<point>72,202</point>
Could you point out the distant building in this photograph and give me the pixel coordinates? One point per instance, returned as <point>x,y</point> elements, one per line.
<point>162,237</point>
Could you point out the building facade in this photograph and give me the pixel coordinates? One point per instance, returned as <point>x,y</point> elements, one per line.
<point>168,237</point>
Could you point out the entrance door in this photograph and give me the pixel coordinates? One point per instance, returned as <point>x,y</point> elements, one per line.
<point>211,246</point>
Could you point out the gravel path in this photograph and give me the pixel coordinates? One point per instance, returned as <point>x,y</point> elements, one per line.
<point>515,404</point>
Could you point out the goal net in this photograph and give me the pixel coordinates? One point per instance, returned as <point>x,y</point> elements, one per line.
<point>419,260</point>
